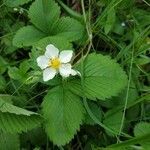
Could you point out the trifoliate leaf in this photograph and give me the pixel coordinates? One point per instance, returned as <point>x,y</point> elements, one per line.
<point>27,36</point>
<point>69,28</point>
<point>63,113</point>
<point>45,17</point>
<point>44,14</point>
<point>102,78</point>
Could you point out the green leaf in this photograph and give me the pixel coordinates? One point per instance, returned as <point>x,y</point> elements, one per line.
<point>13,123</point>
<point>43,14</point>
<point>142,133</point>
<point>142,17</point>
<point>9,141</point>
<point>113,121</point>
<point>142,60</point>
<point>60,42</point>
<point>142,128</point>
<point>118,102</point>
<point>35,136</point>
<point>2,83</point>
<point>24,66</point>
<point>102,77</point>
<point>126,4</point>
<point>96,110</point>
<point>8,43</point>
<point>69,28</point>
<point>14,3</point>
<point>7,107</point>
<point>127,143</point>
<point>111,16</point>
<point>6,97</point>
<point>22,73</point>
<point>63,113</point>
<point>3,65</point>
<point>14,119</point>
<point>71,12</point>
<point>14,73</point>
<point>27,36</point>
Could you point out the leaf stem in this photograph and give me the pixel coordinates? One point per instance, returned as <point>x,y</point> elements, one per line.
<point>127,93</point>
<point>72,13</point>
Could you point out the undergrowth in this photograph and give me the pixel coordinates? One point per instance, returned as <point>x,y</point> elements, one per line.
<point>105,105</point>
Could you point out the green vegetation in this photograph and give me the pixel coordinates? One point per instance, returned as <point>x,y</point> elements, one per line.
<point>106,105</point>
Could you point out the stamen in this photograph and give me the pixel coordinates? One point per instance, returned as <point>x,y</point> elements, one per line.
<point>55,63</point>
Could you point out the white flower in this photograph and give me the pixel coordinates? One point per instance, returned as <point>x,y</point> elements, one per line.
<point>123,24</point>
<point>15,9</point>
<point>53,62</point>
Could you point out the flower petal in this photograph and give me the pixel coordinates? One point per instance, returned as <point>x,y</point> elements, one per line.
<point>42,62</point>
<point>65,56</point>
<point>65,70</point>
<point>75,72</point>
<point>51,51</point>
<point>49,73</point>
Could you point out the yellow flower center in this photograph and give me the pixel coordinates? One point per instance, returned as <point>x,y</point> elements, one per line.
<point>54,63</point>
